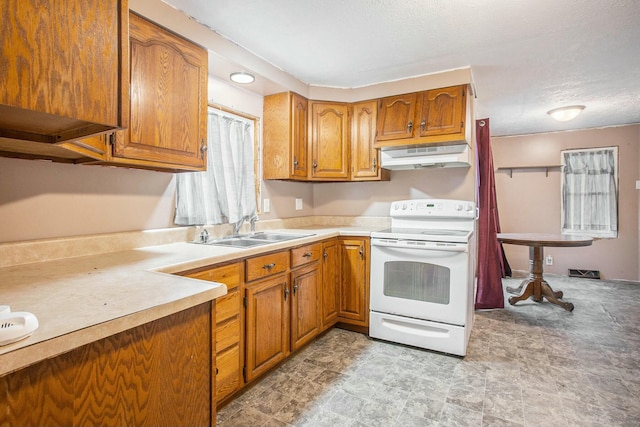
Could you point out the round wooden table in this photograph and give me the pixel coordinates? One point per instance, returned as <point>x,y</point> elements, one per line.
<point>535,286</point>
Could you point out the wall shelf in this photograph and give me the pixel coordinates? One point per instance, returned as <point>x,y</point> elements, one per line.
<point>546,168</point>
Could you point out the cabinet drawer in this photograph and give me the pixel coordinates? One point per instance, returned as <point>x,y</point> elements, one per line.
<point>227,334</point>
<point>227,372</point>
<point>267,265</point>
<point>305,254</point>
<point>227,306</point>
<point>227,274</point>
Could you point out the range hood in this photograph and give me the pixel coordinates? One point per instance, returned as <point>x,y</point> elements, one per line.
<point>425,156</point>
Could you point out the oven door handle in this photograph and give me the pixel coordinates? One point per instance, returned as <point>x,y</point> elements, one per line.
<point>416,244</point>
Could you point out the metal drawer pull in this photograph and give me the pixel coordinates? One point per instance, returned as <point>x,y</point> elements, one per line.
<point>269,266</point>
<point>307,254</point>
<point>295,289</point>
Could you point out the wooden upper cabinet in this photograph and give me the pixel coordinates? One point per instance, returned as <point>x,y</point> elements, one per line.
<point>442,111</point>
<point>432,116</point>
<point>396,115</point>
<point>63,69</point>
<point>365,159</point>
<point>168,126</point>
<point>329,140</point>
<point>285,118</point>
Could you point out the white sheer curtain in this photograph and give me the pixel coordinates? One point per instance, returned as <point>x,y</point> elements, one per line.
<point>589,192</point>
<point>226,192</point>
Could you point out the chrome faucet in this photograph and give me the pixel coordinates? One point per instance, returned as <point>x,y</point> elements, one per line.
<point>204,236</point>
<point>253,224</point>
<point>236,226</point>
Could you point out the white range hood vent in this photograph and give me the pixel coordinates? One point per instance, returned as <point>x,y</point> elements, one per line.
<point>425,156</point>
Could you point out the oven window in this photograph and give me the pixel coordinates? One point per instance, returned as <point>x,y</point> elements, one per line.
<point>418,281</point>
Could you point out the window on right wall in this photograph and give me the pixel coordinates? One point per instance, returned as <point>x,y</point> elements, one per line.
<point>590,192</point>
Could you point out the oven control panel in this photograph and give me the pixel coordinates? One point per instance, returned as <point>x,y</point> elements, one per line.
<point>433,208</point>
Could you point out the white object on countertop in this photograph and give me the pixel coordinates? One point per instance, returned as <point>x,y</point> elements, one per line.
<point>16,326</point>
<point>5,309</point>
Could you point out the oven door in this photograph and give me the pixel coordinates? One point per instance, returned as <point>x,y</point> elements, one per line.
<point>423,280</point>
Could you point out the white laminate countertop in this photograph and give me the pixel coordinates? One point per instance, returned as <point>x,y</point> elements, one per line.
<point>83,299</point>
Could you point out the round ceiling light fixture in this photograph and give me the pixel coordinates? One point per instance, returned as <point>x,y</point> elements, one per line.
<point>242,77</point>
<point>564,114</point>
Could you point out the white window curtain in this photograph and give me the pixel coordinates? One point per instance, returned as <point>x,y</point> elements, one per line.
<point>590,192</point>
<point>226,192</point>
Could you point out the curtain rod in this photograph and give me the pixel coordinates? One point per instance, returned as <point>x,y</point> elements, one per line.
<point>232,111</point>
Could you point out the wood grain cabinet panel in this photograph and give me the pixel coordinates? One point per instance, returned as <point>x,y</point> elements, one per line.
<point>442,112</point>
<point>159,373</point>
<point>267,325</point>
<point>396,116</point>
<point>168,125</point>
<point>64,68</point>
<point>266,265</point>
<point>329,141</point>
<point>285,147</point>
<point>365,158</point>
<point>330,282</point>
<point>354,281</point>
<point>305,304</point>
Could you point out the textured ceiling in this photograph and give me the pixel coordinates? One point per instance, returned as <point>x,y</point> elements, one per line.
<point>527,57</point>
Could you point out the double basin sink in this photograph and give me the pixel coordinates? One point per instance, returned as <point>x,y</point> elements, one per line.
<point>250,240</point>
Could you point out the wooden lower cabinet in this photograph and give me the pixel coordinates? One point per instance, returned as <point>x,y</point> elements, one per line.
<point>354,281</point>
<point>305,304</point>
<point>229,326</point>
<point>330,283</point>
<point>267,324</point>
<point>158,373</point>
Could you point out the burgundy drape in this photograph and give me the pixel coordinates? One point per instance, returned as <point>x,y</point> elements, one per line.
<point>492,265</point>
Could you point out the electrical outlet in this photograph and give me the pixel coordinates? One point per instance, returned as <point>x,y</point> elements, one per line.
<point>266,206</point>
<point>549,260</point>
<point>298,204</point>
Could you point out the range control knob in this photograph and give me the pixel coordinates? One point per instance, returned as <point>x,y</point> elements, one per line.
<point>458,207</point>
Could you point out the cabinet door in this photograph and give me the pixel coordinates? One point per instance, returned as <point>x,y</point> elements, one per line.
<point>365,159</point>
<point>267,320</point>
<point>354,282</point>
<point>395,117</point>
<point>168,99</point>
<point>64,68</point>
<point>329,140</point>
<point>299,136</point>
<point>442,111</point>
<point>305,304</point>
<point>285,136</point>
<point>330,283</point>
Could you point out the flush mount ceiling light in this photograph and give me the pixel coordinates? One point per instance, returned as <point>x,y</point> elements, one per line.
<point>242,77</point>
<point>564,114</point>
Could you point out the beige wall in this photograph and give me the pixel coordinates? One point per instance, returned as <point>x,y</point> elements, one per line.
<point>530,202</point>
<point>40,200</point>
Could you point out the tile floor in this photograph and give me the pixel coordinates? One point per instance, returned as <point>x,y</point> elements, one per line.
<point>527,365</point>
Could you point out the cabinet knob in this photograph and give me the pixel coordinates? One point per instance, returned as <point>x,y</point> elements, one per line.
<point>410,126</point>
<point>374,165</point>
<point>307,254</point>
<point>361,252</point>
<point>286,293</point>
<point>269,266</point>
<point>423,124</point>
<point>295,289</point>
<point>325,255</point>
<point>295,162</point>
<point>315,164</point>
<point>203,148</point>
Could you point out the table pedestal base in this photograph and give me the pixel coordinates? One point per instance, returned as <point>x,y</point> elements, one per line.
<point>535,286</point>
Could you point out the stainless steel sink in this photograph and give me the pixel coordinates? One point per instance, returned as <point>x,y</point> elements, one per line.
<point>250,240</point>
